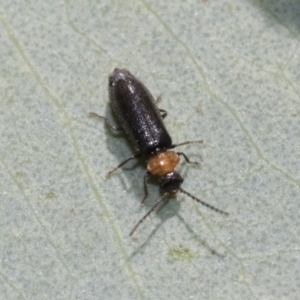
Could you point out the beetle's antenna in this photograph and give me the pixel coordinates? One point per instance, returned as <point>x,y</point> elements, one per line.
<point>204,203</point>
<point>160,200</point>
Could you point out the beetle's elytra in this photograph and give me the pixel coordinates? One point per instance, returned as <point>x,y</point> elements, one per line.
<point>142,121</point>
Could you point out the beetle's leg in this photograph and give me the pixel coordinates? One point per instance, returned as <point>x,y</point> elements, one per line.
<point>163,113</point>
<point>188,160</point>
<point>184,155</point>
<point>123,163</point>
<point>116,128</point>
<point>158,98</point>
<point>146,176</point>
<point>186,143</point>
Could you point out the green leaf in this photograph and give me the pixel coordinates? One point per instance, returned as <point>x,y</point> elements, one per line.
<point>228,73</point>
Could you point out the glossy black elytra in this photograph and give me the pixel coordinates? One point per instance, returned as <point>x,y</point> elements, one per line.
<point>142,121</point>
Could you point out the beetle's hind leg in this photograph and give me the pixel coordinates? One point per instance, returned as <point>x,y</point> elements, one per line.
<point>186,143</point>
<point>107,122</point>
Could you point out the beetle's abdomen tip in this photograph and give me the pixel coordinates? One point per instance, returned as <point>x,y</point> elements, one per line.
<point>118,73</point>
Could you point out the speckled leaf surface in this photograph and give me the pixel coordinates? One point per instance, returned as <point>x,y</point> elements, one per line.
<point>228,73</point>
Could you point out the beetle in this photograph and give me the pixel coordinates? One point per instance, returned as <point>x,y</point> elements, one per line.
<point>142,122</point>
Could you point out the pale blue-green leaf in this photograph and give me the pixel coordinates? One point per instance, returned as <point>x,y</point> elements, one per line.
<point>228,73</point>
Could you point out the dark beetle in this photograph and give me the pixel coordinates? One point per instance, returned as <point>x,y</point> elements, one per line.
<point>142,121</point>
<point>137,113</point>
